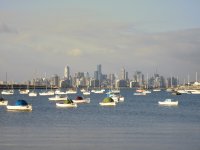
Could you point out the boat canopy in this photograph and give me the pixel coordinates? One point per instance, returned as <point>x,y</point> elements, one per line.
<point>79,98</point>
<point>21,103</point>
<point>68,101</point>
<point>108,100</point>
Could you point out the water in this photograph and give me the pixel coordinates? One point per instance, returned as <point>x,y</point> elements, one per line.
<point>138,123</point>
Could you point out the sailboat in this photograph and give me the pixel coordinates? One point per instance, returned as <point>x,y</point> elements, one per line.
<point>33,93</point>
<point>86,92</point>
<point>47,93</point>
<point>8,91</point>
<point>24,91</point>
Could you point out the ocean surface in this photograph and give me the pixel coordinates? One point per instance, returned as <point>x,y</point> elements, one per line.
<point>138,123</point>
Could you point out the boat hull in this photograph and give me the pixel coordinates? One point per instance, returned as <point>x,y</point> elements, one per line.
<point>175,103</point>
<point>82,101</point>
<point>20,108</point>
<point>86,93</point>
<point>3,103</point>
<point>58,98</point>
<point>46,93</point>
<point>138,93</point>
<point>24,91</point>
<point>107,104</point>
<point>7,92</point>
<point>66,105</point>
<point>32,94</point>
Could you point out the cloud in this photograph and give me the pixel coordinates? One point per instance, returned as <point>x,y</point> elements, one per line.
<point>75,52</point>
<point>112,44</point>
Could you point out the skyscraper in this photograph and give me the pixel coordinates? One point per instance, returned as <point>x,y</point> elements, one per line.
<point>67,72</point>
<point>99,72</point>
<point>123,74</point>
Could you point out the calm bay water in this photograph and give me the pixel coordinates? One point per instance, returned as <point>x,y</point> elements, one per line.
<point>138,123</point>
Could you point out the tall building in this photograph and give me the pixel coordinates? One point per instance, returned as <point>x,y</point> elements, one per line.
<point>138,78</point>
<point>67,72</point>
<point>123,74</point>
<point>96,75</point>
<point>99,72</point>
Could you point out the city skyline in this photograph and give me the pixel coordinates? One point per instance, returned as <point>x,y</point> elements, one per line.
<point>149,36</point>
<point>97,74</point>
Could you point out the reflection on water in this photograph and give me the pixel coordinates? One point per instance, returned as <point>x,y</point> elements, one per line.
<point>138,123</point>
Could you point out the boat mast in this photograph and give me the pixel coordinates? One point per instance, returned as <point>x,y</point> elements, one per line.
<point>196,77</point>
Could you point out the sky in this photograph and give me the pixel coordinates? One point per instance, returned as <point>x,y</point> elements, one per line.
<point>39,37</point>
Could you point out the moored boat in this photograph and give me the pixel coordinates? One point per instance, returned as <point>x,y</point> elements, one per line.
<point>58,98</point>
<point>32,94</point>
<point>46,93</point>
<point>140,93</point>
<point>7,92</point>
<point>157,90</point>
<point>71,91</point>
<point>20,105</point>
<point>108,101</point>
<point>168,102</point>
<point>58,91</point>
<point>24,91</point>
<point>3,101</point>
<point>98,91</point>
<point>86,93</point>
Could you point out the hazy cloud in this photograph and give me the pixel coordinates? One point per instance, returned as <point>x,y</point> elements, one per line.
<point>49,40</point>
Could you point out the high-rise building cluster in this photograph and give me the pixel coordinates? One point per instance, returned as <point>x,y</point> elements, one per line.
<point>99,79</point>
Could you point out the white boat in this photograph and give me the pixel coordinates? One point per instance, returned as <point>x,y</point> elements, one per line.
<point>82,90</point>
<point>168,102</point>
<point>71,92</point>
<point>63,104</point>
<point>98,91</point>
<point>140,93</point>
<point>20,105</point>
<point>108,101</point>
<point>7,92</point>
<point>3,102</point>
<point>80,99</point>
<point>58,98</point>
<point>60,92</point>
<point>169,89</point>
<point>46,93</point>
<point>156,90</point>
<point>86,93</point>
<point>147,91</point>
<point>113,91</point>
<point>24,91</point>
<point>32,94</point>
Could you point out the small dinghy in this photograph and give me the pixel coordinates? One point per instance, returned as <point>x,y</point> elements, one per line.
<point>168,102</point>
<point>21,105</point>
<point>108,101</point>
